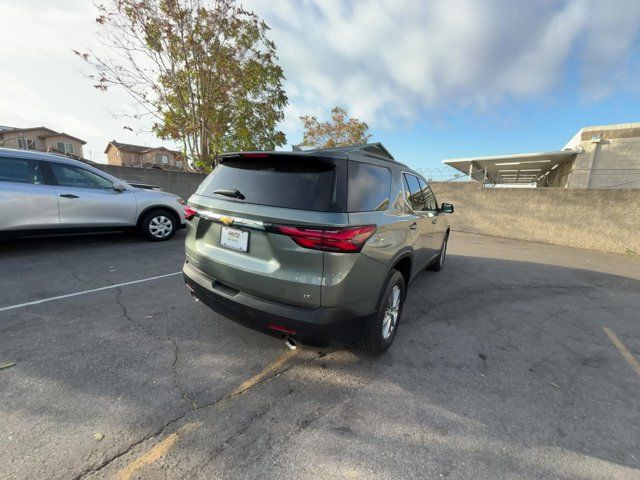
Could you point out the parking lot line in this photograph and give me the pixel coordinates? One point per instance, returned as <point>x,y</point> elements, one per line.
<point>153,454</point>
<point>623,350</point>
<point>160,449</point>
<point>93,290</point>
<point>266,371</point>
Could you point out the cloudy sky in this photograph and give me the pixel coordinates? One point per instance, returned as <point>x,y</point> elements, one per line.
<point>434,79</point>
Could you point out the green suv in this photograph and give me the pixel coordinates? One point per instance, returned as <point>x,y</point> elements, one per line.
<point>315,247</point>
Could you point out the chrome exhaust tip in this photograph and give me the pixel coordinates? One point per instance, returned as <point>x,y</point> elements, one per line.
<point>192,292</point>
<point>290,343</point>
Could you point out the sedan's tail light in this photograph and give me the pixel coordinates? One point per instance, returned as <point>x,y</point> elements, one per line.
<point>350,239</point>
<point>189,212</point>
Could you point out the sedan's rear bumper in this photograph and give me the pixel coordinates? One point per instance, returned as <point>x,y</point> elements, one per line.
<point>316,327</point>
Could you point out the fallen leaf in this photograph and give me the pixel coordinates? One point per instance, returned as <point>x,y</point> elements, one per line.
<point>6,365</point>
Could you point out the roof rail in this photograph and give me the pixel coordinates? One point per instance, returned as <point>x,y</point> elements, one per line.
<point>375,149</point>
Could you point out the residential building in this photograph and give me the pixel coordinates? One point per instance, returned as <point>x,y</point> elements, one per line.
<point>606,156</point>
<point>127,155</point>
<point>41,139</point>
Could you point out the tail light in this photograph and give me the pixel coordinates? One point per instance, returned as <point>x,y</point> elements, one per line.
<point>189,212</point>
<point>350,239</point>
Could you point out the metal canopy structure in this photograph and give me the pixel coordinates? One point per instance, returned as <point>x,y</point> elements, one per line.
<point>521,169</point>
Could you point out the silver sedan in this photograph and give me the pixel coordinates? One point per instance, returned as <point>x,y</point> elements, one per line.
<point>46,194</point>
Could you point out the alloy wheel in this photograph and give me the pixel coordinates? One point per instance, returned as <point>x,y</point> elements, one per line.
<point>391,313</point>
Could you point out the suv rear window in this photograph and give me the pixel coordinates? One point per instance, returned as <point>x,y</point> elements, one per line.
<point>369,187</point>
<point>302,183</point>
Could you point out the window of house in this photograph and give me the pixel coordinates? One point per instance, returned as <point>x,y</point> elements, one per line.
<point>65,147</point>
<point>26,144</point>
<point>162,159</point>
<point>71,176</point>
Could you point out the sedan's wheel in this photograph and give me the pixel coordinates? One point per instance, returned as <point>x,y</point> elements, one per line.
<point>384,326</point>
<point>159,226</point>
<point>439,265</point>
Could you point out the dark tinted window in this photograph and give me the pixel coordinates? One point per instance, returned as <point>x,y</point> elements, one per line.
<point>414,194</point>
<point>70,176</point>
<point>290,182</point>
<point>20,170</point>
<point>427,195</point>
<point>369,187</point>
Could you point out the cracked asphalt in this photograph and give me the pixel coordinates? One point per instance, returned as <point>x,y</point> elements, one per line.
<point>500,369</point>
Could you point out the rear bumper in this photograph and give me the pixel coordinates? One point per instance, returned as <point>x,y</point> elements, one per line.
<point>318,327</point>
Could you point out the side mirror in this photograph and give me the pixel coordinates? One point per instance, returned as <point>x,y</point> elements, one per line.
<point>446,208</point>
<point>118,187</point>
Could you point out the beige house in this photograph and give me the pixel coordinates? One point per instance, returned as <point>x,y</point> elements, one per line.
<point>41,139</point>
<point>127,155</point>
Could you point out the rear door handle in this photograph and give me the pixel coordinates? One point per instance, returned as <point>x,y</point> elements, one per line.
<point>69,195</point>
<point>413,226</point>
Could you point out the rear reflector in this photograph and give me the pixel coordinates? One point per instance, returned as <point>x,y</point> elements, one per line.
<point>189,212</point>
<point>350,239</point>
<point>280,328</point>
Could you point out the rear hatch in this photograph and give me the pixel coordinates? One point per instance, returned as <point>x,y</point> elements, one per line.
<point>245,208</point>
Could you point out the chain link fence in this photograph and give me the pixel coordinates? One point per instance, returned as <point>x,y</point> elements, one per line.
<point>443,174</point>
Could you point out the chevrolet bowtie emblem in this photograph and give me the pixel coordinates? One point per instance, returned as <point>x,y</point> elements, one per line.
<point>226,220</point>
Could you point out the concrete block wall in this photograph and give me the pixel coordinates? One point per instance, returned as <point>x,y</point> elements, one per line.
<point>599,219</point>
<point>611,162</point>
<point>180,183</point>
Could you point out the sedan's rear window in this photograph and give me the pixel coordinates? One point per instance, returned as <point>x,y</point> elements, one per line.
<point>289,182</point>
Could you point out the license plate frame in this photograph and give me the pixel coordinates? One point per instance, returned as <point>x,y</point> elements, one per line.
<point>235,239</point>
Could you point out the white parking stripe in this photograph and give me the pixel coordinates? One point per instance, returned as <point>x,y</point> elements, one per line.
<point>60,297</point>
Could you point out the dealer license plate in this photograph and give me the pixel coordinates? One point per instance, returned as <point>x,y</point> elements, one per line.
<point>234,239</point>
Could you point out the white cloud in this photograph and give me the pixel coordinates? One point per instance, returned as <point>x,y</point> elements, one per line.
<point>43,82</point>
<point>385,60</point>
<point>393,60</point>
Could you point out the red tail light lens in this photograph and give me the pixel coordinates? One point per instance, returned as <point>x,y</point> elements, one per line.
<point>350,239</point>
<point>189,212</point>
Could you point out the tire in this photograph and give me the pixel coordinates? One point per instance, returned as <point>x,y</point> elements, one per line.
<point>439,264</point>
<point>159,225</point>
<point>382,329</point>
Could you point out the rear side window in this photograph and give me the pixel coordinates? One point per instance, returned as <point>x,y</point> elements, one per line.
<point>428,196</point>
<point>414,194</point>
<point>289,182</point>
<point>369,187</point>
<point>21,170</point>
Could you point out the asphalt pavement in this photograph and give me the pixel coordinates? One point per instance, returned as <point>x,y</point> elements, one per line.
<point>516,361</point>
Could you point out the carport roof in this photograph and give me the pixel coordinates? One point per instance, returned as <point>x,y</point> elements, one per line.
<point>518,168</point>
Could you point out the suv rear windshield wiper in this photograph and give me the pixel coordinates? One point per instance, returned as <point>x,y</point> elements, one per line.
<point>230,193</point>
